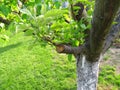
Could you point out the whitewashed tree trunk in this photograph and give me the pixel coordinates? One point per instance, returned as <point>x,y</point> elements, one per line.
<point>87,74</point>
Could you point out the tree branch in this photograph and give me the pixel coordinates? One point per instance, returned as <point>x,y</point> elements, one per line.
<point>61,48</point>
<point>65,48</point>
<point>77,14</point>
<point>5,21</point>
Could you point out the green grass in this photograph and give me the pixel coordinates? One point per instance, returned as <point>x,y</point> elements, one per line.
<point>109,78</point>
<point>39,68</point>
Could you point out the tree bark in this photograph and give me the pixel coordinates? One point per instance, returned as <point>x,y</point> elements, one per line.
<point>87,73</point>
<point>103,16</point>
<point>113,33</point>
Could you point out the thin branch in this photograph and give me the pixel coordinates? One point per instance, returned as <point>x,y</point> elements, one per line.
<point>5,21</point>
<point>49,40</point>
<point>77,13</point>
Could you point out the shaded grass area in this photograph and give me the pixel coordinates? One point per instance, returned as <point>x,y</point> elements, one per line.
<point>39,68</point>
<point>6,48</point>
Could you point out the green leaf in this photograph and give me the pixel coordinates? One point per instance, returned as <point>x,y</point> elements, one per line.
<point>5,10</point>
<point>59,25</point>
<point>37,1</point>
<point>57,4</point>
<point>55,13</point>
<point>43,9</point>
<point>113,23</point>
<point>27,12</point>
<point>83,26</point>
<point>40,20</point>
<point>76,43</point>
<point>38,9</point>
<point>70,57</point>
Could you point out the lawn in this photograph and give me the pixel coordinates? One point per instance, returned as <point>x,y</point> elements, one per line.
<point>27,67</point>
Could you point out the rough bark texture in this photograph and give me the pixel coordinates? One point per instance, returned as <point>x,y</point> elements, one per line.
<point>113,33</point>
<point>69,49</point>
<point>87,74</point>
<point>104,14</point>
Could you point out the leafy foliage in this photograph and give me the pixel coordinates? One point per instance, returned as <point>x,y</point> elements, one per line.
<point>50,22</point>
<point>49,18</point>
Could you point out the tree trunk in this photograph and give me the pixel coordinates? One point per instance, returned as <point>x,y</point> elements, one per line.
<point>87,73</point>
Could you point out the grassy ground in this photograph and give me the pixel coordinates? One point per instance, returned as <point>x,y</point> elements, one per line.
<point>41,68</point>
